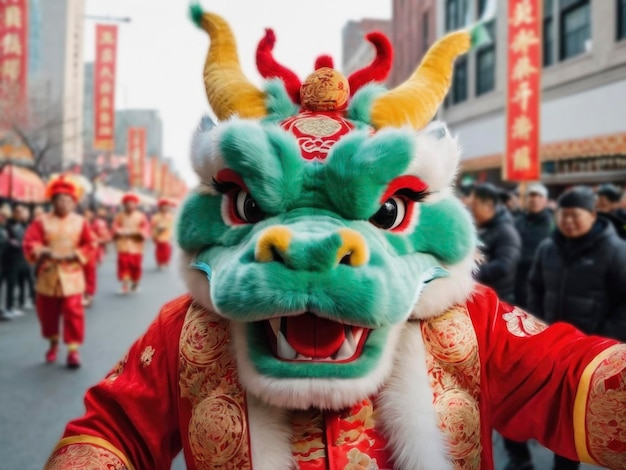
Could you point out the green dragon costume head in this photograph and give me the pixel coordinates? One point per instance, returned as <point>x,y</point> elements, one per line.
<point>325,218</point>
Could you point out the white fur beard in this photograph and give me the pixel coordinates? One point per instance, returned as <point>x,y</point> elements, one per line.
<point>325,394</point>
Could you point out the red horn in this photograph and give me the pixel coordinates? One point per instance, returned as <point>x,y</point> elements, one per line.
<point>269,68</point>
<point>379,69</point>
<point>324,61</point>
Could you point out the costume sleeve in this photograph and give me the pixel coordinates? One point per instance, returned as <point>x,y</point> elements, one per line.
<point>132,415</point>
<point>34,241</point>
<point>615,325</point>
<point>506,255</point>
<point>556,385</point>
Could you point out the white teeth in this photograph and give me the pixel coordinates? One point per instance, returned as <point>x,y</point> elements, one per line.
<point>284,349</point>
<point>357,336</point>
<point>346,351</point>
<point>350,337</point>
<point>275,324</point>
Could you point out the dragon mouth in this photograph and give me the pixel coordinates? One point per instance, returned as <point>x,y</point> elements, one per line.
<point>309,338</point>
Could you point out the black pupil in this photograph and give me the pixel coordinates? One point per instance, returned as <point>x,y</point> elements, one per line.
<point>386,215</point>
<point>251,210</point>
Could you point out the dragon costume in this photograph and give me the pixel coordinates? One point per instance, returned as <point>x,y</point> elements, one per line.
<point>332,321</point>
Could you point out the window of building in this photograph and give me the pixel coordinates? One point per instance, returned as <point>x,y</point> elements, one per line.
<point>486,57</point>
<point>456,14</point>
<point>621,19</point>
<point>575,28</point>
<point>459,81</point>
<point>548,33</point>
<point>425,30</point>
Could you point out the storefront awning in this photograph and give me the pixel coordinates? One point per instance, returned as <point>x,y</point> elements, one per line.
<point>21,184</point>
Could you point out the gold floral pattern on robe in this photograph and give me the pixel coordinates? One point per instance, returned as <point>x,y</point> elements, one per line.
<point>84,457</point>
<point>218,429</point>
<point>453,365</point>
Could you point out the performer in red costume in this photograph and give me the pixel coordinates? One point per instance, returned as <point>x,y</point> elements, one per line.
<point>129,231</point>
<point>332,320</point>
<point>101,237</point>
<point>162,227</point>
<point>60,243</point>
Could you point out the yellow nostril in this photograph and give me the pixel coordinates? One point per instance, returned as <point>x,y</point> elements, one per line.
<point>353,250</point>
<point>272,242</point>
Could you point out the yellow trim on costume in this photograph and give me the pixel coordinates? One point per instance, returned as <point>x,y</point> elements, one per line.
<point>274,238</point>
<point>354,246</point>
<point>580,405</point>
<point>96,441</point>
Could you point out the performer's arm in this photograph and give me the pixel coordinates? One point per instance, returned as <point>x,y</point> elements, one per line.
<point>615,325</point>
<point>34,244</point>
<point>131,421</point>
<point>556,385</point>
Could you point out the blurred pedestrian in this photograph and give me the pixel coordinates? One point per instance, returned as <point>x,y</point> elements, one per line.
<point>25,278</point>
<point>101,236</point>
<point>608,203</point>
<point>500,242</point>
<point>129,231</point>
<point>534,226</point>
<point>14,262</point>
<point>511,199</point>
<point>5,213</point>
<point>162,226</point>
<point>465,193</point>
<point>60,243</point>
<point>578,275</point>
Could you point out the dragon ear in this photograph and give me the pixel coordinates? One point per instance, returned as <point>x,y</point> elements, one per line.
<point>228,90</point>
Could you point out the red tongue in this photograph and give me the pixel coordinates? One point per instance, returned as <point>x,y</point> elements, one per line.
<point>313,336</point>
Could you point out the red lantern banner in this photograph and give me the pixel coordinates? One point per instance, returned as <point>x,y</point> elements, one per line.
<point>524,91</point>
<point>104,87</point>
<point>13,50</point>
<point>136,155</point>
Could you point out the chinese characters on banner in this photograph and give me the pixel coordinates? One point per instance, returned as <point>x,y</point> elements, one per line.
<point>136,155</point>
<point>157,176</point>
<point>13,50</point>
<point>148,174</point>
<point>104,87</point>
<point>524,91</point>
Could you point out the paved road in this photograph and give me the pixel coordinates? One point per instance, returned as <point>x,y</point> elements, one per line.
<point>37,400</point>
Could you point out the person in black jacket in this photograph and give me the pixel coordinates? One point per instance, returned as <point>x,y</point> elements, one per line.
<point>533,226</point>
<point>608,204</point>
<point>500,242</point>
<point>579,274</point>
<point>14,262</point>
<point>4,240</point>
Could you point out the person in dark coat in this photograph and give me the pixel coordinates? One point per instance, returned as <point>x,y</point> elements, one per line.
<point>608,204</point>
<point>14,262</point>
<point>579,274</point>
<point>500,241</point>
<point>534,226</point>
<point>4,241</point>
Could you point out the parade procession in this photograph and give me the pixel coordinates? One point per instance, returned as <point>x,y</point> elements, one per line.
<point>407,252</point>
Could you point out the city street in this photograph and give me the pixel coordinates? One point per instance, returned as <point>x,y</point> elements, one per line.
<point>37,400</point>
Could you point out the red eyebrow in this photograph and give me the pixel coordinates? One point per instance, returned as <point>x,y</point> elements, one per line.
<point>230,176</point>
<point>410,182</point>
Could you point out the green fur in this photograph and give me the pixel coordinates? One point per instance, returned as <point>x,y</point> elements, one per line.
<point>195,13</point>
<point>264,361</point>
<point>479,36</point>
<point>277,102</point>
<point>360,106</point>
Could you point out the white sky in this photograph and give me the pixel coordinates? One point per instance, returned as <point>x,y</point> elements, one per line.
<point>161,52</point>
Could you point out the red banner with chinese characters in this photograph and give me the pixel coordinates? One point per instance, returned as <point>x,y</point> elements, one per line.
<point>164,176</point>
<point>524,91</point>
<point>148,174</point>
<point>13,52</point>
<point>104,87</point>
<point>157,176</point>
<point>136,155</point>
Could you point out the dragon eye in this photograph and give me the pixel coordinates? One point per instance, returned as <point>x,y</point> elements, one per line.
<point>246,208</point>
<point>391,213</point>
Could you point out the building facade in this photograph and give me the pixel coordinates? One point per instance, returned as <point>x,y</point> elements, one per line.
<point>357,52</point>
<point>583,125</point>
<point>413,27</point>
<point>61,78</point>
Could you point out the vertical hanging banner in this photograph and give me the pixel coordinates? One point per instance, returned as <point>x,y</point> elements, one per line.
<point>104,87</point>
<point>136,155</point>
<point>156,175</point>
<point>148,174</point>
<point>524,91</point>
<point>164,168</point>
<point>13,51</point>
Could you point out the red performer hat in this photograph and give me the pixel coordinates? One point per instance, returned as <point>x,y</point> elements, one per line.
<point>63,184</point>
<point>130,197</point>
<point>165,202</point>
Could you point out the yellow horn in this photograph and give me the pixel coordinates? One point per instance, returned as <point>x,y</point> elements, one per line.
<point>416,101</point>
<point>228,90</point>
